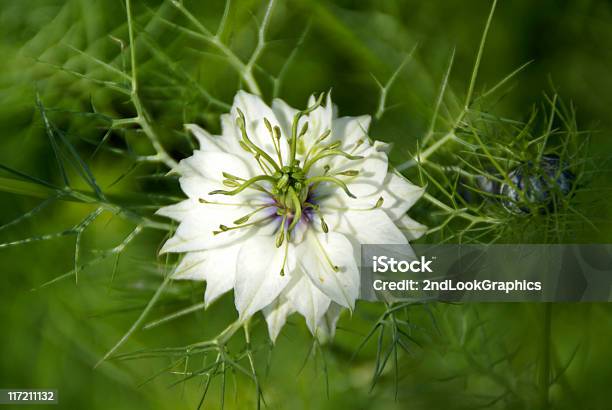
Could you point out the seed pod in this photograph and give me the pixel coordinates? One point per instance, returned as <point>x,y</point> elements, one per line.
<point>536,186</point>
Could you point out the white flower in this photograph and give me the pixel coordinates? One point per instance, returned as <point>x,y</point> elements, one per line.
<point>278,206</point>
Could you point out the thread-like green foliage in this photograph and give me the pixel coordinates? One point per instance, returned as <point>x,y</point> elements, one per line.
<point>122,97</point>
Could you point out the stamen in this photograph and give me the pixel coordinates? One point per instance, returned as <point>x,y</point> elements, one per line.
<point>245,147</point>
<point>282,272</point>
<point>324,136</point>
<point>357,145</point>
<point>230,183</point>
<point>268,125</point>
<point>245,218</point>
<point>334,267</point>
<point>348,173</point>
<point>317,210</point>
<point>262,165</point>
<point>280,237</point>
<point>334,145</point>
<point>275,141</point>
<point>315,146</point>
<point>324,225</point>
<point>277,135</point>
<point>225,228</point>
<point>304,129</point>
<point>378,204</point>
<point>205,201</point>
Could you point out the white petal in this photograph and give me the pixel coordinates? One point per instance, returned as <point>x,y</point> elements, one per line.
<point>198,187</point>
<point>326,326</point>
<point>317,254</point>
<point>399,194</point>
<point>178,211</point>
<point>220,272</point>
<point>229,129</point>
<point>190,267</point>
<point>369,227</point>
<point>209,142</point>
<point>258,273</point>
<point>307,299</point>
<point>276,316</point>
<point>350,130</point>
<point>372,169</point>
<point>216,267</point>
<point>411,228</point>
<point>196,231</point>
<point>319,121</point>
<point>284,114</point>
<point>252,106</point>
<point>211,165</point>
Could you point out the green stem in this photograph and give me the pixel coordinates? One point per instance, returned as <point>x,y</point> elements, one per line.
<point>245,72</point>
<point>458,212</point>
<point>228,332</point>
<point>483,40</point>
<point>35,190</point>
<point>138,321</point>
<point>422,157</point>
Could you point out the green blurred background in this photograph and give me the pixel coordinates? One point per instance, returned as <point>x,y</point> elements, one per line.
<point>462,356</point>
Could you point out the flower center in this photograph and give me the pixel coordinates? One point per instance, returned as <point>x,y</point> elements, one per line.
<point>288,182</point>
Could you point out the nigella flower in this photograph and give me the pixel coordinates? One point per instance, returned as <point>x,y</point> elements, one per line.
<point>278,206</point>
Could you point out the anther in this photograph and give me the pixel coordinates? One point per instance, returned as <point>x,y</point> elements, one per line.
<point>324,225</point>
<point>280,237</point>
<point>304,129</point>
<point>242,220</point>
<point>349,173</point>
<point>324,136</point>
<point>268,125</point>
<point>230,183</point>
<point>334,145</point>
<point>379,203</point>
